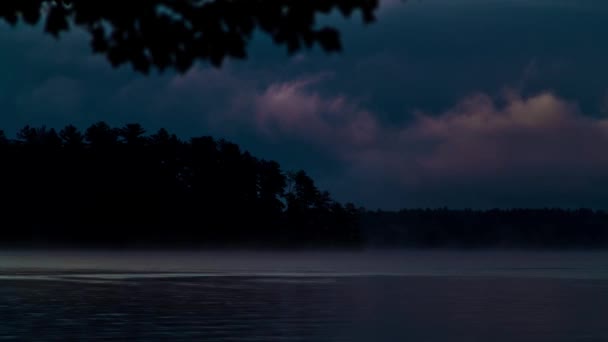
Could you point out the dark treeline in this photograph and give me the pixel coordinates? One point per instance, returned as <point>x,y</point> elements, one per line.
<point>120,187</point>
<point>519,228</point>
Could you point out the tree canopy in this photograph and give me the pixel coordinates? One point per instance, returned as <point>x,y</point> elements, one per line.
<point>163,34</point>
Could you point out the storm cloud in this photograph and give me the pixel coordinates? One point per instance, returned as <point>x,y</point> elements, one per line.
<point>482,145</point>
<point>440,103</point>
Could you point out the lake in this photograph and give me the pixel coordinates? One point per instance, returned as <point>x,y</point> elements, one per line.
<point>304,296</point>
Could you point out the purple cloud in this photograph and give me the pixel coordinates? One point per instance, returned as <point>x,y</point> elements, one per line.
<point>292,108</point>
<point>540,141</point>
<point>525,137</point>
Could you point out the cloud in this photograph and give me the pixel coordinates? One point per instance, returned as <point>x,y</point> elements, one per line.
<point>390,5</point>
<point>527,148</point>
<point>506,150</point>
<point>525,138</point>
<point>511,147</point>
<point>292,108</point>
<point>56,94</point>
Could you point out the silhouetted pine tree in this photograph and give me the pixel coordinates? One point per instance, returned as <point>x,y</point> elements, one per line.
<point>117,186</point>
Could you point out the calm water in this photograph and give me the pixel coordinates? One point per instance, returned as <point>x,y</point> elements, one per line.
<point>372,296</point>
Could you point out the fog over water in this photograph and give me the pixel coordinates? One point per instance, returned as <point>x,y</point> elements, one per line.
<point>568,264</point>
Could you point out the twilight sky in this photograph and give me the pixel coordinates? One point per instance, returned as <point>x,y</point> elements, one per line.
<point>458,103</point>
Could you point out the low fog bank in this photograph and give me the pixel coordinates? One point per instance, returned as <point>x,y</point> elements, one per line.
<point>585,264</point>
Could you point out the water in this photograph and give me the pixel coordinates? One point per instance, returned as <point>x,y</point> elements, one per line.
<point>246,296</point>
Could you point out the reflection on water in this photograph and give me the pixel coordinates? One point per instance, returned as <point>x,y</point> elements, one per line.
<point>287,301</point>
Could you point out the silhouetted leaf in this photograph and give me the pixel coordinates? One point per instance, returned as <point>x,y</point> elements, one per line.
<point>165,34</point>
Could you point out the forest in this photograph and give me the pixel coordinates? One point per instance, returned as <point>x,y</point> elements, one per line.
<point>117,187</point>
<point>552,228</point>
<point>121,187</point>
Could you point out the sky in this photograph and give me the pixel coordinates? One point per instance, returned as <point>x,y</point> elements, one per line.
<point>459,103</point>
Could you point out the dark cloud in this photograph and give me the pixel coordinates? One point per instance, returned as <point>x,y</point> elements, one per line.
<point>482,152</point>
<point>412,113</point>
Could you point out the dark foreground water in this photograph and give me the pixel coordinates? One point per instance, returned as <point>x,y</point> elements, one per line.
<point>388,296</point>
